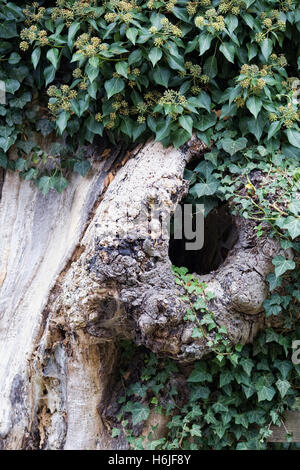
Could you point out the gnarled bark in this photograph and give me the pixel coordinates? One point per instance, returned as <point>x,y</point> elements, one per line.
<point>82,270</point>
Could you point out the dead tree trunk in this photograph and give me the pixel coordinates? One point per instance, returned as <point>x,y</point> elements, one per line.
<point>81,270</point>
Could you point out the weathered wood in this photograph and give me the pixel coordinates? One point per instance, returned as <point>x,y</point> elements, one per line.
<point>291,424</point>
<point>71,289</point>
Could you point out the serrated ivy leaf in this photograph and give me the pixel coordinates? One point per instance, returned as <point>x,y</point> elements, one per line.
<point>53,57</point>
<point>293,137</point>
<point>155,55</point>
<point>114,86</point>
<point>254,104</point>
<point>282,265</point>
<point>228,50</point>
<point>233,146</point>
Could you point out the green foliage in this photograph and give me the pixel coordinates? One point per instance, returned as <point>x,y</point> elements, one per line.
<point>199,314</point>
<point>228,404</point>
<point>132,69</point>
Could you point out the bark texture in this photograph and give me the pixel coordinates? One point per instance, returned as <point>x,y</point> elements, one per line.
<point>80,271</point>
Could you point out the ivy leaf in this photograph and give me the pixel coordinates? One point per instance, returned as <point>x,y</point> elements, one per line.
<point>115,432</point>
<point>139,413</point>
<point>273,129</point>
<point>265,393</point>
<point>204,42</point>
<point>233,146</point>
<point>49,74</point>
<point>53,57</point>
<point>91,71</point>
<point>45,184</point>
<point>247,365</point>
<point>8,29</point>
<point>59,183</point>
<point>205,189</point>
<point>122,68</point>
<point>196,430</point>
<point>11,85</point>
<point>266,48</point>
<point>155,55</point>
<point>210,67</point>
<point>82,167</point>
<point>200,374</point>
<point>180,137</point>
<point>35,57</point>
<point>72,32</point>
<point>203,100</point>
<point>225,378</point>
<point>161,76</point>
<point>292,224</point>
<point>228,51</point>
<point>254,104</point>
<point>205,122</point>
<point>21,101</point>
<point>62,121</point>
<point>283,387</point>
<point>293,137</point>
<point>294,207</point>
<point>131,34</point>
<point>187,123</point>
<point>163,130</point>
<point>282,265</point>
<point>114,86</point>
